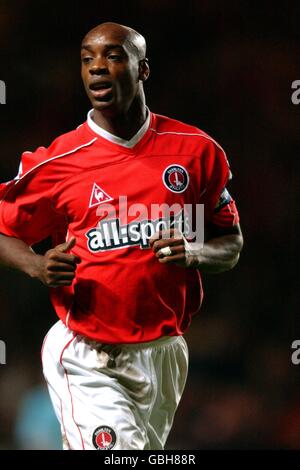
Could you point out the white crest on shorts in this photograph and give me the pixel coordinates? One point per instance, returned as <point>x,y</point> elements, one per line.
<point>104,438</point>
<point>98,196</point>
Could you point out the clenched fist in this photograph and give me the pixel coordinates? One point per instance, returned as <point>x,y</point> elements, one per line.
<point>58,267</point>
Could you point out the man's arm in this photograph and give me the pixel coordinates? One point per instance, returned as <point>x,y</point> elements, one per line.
<point>55,268</point>
<point>219,253</point>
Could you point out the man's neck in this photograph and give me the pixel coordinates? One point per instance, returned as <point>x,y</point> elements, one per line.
<point>124,125</point>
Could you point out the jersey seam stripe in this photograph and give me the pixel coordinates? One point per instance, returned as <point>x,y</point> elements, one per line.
<point>68,384</point>
<point>63,424</point>
<point>47,161</point>
<point>190,134</point>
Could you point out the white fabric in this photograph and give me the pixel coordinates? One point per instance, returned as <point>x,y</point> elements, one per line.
<point>115,139</point>
<point>132,389</point>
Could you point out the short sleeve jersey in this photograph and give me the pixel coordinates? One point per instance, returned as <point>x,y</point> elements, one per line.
<point>107,195</point>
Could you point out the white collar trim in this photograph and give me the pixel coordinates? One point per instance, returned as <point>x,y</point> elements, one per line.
<point>115,139</point>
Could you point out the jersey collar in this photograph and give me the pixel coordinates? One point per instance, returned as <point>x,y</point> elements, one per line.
<point>115,139</point>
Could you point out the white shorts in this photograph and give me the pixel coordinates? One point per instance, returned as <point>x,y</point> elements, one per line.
<point>120,397</point>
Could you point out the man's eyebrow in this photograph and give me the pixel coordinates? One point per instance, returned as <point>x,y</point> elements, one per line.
<point>86,46</point>
<point>106,46</point>
<point>114,46</point>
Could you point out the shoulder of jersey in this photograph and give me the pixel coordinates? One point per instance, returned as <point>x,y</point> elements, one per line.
<point>168,126</point>
<point>63,145</point>
<point>188,138</point>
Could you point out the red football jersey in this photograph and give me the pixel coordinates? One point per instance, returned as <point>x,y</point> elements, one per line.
<point>121,293</point>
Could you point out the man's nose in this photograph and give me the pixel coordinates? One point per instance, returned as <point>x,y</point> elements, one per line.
<point>98,67</point>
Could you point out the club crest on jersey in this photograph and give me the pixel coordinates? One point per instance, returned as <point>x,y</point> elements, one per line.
<point>98,196</point>
<point>176,178</point>
<point>104,438</point>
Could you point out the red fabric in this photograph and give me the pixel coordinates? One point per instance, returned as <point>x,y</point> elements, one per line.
<point>121,295</point>
<point>227,216</point>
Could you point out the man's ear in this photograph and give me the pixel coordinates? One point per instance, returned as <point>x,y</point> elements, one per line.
<point>144,69</point>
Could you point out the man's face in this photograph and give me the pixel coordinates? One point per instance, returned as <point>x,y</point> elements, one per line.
<point>110,71</point>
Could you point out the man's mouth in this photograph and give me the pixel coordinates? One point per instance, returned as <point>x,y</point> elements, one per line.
<point>101,89</point>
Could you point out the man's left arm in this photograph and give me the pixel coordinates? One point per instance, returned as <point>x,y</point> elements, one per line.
<point>223,239</point>
<point>220,252</point>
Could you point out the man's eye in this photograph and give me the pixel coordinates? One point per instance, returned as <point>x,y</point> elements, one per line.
<point>86,60</point>
<point>114,57</point>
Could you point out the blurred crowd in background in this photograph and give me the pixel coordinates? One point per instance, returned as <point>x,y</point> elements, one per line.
<point>226,67</point>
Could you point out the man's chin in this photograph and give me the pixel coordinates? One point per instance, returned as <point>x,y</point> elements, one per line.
<point>105,107</point>
<point>101,104</point>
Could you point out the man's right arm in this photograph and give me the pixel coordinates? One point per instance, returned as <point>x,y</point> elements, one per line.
<point>55,268</point>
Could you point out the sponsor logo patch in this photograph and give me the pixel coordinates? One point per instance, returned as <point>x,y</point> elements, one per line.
<point>98,196</point>
<point>110,234</point>
<point>176,178</point>
<point>104,438</point>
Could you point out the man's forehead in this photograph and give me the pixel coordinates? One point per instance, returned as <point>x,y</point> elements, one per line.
<point>116,34</point>
<point>107,36</point>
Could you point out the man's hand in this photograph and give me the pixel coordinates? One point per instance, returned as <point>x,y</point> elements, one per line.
<point>181,254</point>
<point>57,268</point>
<point>218,254</point>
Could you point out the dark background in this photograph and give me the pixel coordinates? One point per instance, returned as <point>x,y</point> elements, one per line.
<point>226,67</point>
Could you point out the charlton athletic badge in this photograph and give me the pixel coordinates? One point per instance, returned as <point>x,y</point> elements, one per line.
<point>176,178</point>
<point>104,438</point>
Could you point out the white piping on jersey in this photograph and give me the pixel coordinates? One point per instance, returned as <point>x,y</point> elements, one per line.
<point>198,135</point>
<point>46,161</point>
<point>115,139</point>
<point>189,134</point>
<point>20,171</point>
